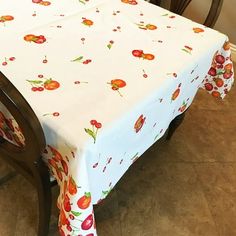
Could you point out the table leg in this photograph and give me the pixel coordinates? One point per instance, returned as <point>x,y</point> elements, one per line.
<point>174,125</point>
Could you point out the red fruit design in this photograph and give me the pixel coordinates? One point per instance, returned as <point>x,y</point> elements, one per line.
<point>228,75</point>
<point>51,84</point>
<point>226,46</point>
<point>176,93</point>
<point>198,30</point>
<point>208,86</point>
<point>215,94</point>
<point>141,54</point>
<point>61,232</point>
<point>92,132</point>
<point>59,174</point>
<point>5,18</point>
<point>62,217</point>
<point>84,202</point>
<point>137,53</point>
<point>139,123</point>
<point>116,84</point>
<point>64,166</point>
<point>87,223</point>
<point>87,22</point>
<point>72,186</point>
<point>220,59</point>
<point>66,203</point>
<point>55,153</point>
<point>219,82</point>
<point>212,71</point>
<point>52,163</point>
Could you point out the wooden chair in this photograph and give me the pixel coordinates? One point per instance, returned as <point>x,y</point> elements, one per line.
<point>178,7</point>
<point>26,158</point>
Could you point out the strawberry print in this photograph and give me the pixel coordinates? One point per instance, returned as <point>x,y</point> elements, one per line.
<point>198,30</point>
<point>183,107</point>
<point>87,223</point>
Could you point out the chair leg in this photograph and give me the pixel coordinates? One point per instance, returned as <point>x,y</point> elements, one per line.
<point>43,185</point>
<point>174,125</point>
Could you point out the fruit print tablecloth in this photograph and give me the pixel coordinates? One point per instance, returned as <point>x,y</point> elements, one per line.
<point>105,78</point>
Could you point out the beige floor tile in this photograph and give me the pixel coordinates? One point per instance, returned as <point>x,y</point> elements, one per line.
<point>108,216</point>
<point>219,185</point>
<point>163,199</point>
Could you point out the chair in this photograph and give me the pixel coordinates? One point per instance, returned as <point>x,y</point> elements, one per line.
<point>26,158</point>
<point>178,7</point>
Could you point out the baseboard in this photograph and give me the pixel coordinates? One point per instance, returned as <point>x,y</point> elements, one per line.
<point>233,52</point>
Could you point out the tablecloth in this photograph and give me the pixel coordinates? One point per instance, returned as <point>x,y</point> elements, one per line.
<point>105,78</point>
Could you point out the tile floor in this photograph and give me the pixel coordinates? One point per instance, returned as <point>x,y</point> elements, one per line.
<point>184,187</point>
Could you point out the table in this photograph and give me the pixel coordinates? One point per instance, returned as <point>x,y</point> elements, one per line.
<point>105,78</point>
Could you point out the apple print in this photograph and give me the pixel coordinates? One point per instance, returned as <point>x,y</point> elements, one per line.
<point>116,84</point>
<point>208,86</point>
<point>92,131</point>
<point>41,2</point>
<point>226,46</point>
<point>84,202</point>
<point>212,71</point>
<point>141,54</point>
<point>220,59</point>
<point>131,2</point>
<point>215,94</point>
<point>198,30</point>
<point>47,84</point>
<point>87,22</point>
<point>5,18</point>
<point>139,123</point>
<point>219,82</point>
<point>34,38</point>
<point>176,93</point>
<point>143,26</point>
<point>72,187</point>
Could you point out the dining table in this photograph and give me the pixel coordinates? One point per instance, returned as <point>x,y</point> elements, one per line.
<point>105,79</point>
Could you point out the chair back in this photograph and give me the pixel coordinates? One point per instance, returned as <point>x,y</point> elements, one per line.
<point>178,7</point>
<point>21,135</point>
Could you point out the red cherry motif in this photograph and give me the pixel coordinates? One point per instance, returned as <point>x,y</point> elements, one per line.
<point>137,53</point>
<point>84,202</point>
<point>212,71</point>
<point>87,223</point>
<point>219,82</point>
